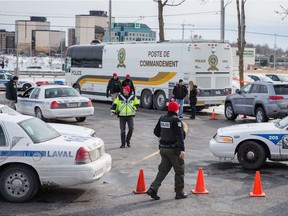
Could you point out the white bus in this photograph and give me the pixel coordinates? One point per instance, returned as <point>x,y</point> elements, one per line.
<point>154,67</point>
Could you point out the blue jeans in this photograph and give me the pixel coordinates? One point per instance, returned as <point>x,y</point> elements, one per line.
<point>180,102</point>
<point>193,110</point>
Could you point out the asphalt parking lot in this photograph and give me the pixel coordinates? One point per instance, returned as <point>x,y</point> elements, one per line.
<point>227,182</point>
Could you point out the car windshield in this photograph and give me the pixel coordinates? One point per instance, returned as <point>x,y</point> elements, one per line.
<point>61,92</point>
<point>9,76</point>
<point>281,123</point>
<point>38,130</point>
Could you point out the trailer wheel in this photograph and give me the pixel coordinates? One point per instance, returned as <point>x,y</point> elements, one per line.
<point>146,99</point>
<point>160,100</point>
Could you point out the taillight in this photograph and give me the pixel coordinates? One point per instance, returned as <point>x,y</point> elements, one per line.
<point>82,156</point>
<point>227,91</point>
<point>276,97</point>
<point>89,104</point>
<point>54,105</point>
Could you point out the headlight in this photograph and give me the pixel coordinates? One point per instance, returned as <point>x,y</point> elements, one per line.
<point>224,139</point>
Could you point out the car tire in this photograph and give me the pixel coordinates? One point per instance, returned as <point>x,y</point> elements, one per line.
<point>260,115</point>
<point>160,100</point>
<point>80,119</point>
<point>26,86</point>
<point>251,155</point>
<point>38,114</point>
<point>229,112</point>
<point>146,99</point>
<point>18,183</point>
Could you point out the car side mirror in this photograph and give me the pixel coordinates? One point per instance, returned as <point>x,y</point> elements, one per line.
<point>238,91</point>
<point>20,95</point>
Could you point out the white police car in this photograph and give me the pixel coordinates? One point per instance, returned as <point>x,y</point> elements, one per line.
<point>64,129</point>
<point>32,154</point>
<point>253,143</point>
<point>21,84</point>
<point>54,101</point>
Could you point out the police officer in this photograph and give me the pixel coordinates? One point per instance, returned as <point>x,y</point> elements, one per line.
<point>114,87</point>
<point>128,82</point>
<point>11,92</point>
<point>170,131</point>
<point>125,106</point>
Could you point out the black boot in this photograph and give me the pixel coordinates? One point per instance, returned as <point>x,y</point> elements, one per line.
<point>128,143</point>
<point>153,194</point>
<point>122,140</point>
<point>180,195</point>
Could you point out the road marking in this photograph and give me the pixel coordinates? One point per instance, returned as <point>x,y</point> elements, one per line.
<point>147,157</point>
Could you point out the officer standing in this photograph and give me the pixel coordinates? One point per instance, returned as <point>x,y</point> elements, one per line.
<point>125,106</point>
<point>170,131</point>
<point>128,82</point>
<point>114,87</point>
<point>11,92</point>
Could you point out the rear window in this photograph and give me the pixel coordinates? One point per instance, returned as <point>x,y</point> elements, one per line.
<point>61,92</point>
<point>281,89</point>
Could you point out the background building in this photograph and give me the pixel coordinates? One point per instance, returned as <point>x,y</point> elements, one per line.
<point>23,32</point>
<point>249,58</point>
<point>7,45</point>
<point>86,25</point>
<point>71,37</point>
<point>131,32</point>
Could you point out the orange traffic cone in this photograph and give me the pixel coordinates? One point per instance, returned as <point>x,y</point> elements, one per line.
<point>200,185</point>
<point>141,185</point>
<point>257,190</point>
<point>213,116</point>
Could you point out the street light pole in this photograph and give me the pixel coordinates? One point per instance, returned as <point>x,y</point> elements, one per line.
<point>275,46</point>
<point>110,20</point>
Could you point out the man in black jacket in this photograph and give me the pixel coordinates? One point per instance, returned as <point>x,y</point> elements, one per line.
<point>129,82</point>
<point>171,133</point>
<point>11,92</point>
<point>180,91</point>
<point>114,87</point>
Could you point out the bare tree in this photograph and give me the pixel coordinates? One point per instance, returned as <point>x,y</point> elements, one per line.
<point>161,5</point>
<point>241,38</point>
<point>283,12</point>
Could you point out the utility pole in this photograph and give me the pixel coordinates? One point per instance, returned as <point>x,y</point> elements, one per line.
<point>183,29</point>
<point>222,21</point>
<point>110,20</point>
<point>275,47</point>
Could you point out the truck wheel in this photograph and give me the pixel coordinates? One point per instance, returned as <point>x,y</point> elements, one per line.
<point>38,114</point>
<point>251,155</point>
<point>260,115</point>
<point>229,112</point>
<point>160,100</point>
<point>26,86</point>
<point>80,119</point>
<point>146,99</point>
<point>18,183</point>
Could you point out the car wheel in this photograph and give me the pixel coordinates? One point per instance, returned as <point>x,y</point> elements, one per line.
<point>229,112</point>
<point>146,99</point>
<point>251,155</point>
<point>260,115</point>
<point>160,100</point>
<point>80,119</point>
<point>38,114</point>
<point>18,183</point>
<point>26,86</point>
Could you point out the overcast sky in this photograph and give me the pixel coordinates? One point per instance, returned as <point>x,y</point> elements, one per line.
<point>201,19</point>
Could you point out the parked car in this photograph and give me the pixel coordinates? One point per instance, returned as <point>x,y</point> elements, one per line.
<point>64,129</point>
<point>253,143</point>
<point>278,77</point>
<point>260,77</point>
<point>262,100</point>
<point>21,84</point>
<point>54,101</point>
<point>33,154</point>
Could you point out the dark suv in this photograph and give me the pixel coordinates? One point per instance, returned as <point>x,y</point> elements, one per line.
<point>260,99</point>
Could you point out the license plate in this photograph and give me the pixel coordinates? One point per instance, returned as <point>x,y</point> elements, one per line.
<point>73,105</point>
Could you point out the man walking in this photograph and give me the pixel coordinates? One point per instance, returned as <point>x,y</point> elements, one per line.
<point>180,91</point>
<point>125,106</point>
<point>170,131</point>
<point>128,82</point>
<point>11,92</point>
<point>114,87</point>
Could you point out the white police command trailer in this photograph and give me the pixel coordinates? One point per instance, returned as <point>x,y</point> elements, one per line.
<point>154,67</point>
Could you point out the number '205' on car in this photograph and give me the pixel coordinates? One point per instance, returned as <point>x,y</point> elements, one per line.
<point>253,143</point>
